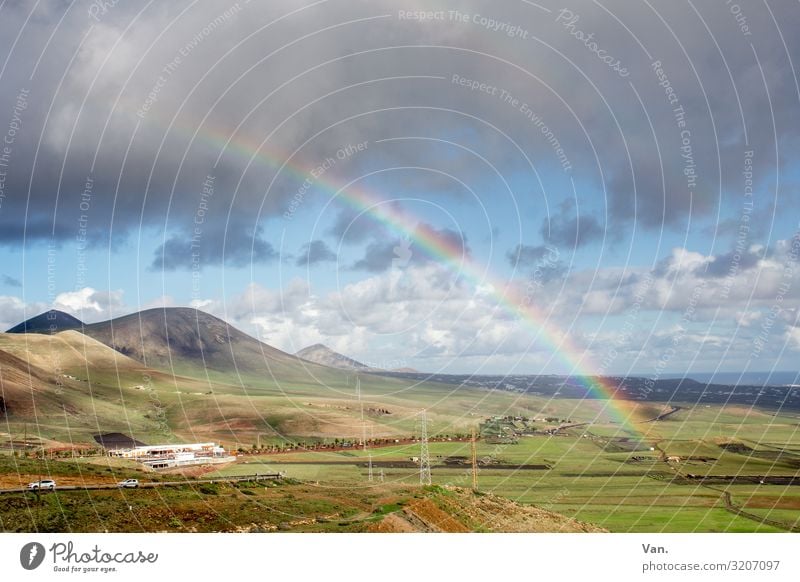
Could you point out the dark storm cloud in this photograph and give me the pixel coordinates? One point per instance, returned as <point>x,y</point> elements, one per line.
<point>380,256</point>
<point>733,261</point>
<point>352,226</point>
<point>9,281</point>
<point>316,251</point>
<point>185,253</point>
<point>526,255</point>
<point>567,228</point>
<point>35,229</point>
<point>120,96</point>
<point>541,264</point>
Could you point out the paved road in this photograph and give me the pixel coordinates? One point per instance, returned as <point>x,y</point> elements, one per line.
<point>153,484</point>
<point>362,462</point>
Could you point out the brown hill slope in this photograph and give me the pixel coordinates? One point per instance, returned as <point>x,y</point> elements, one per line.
<point>22,384</point>
<point>68,386</point>
<point>190,342</point>
<point>323,355</point>
<point>67,350</point>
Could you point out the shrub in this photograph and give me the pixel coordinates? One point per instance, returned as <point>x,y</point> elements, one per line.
<point>208,489</point>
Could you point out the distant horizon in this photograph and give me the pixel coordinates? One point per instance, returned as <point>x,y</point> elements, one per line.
<point>702,375</point>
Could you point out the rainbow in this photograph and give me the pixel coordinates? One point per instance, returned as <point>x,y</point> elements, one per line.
<point>507,296</point>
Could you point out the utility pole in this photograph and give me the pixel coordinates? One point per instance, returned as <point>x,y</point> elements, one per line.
<point>364,446</point>
<point>424,454</point>
<point>371,437</point>
<point>361,408</point>
<point>474,462</point>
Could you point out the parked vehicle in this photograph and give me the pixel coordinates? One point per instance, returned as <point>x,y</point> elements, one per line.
<point>43,484</point>
<point>128,484</point>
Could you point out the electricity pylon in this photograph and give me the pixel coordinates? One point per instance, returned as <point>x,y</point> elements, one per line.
<point>364,431</point>
<point>424,454</point>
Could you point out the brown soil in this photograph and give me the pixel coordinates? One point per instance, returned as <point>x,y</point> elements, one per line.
<point>393,523</point>
<point>433,517</point>
<point>767,502</point>
<point>459,510</point>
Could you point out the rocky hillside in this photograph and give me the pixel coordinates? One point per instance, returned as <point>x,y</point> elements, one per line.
<point>323,355</point>
<point>455,510</point>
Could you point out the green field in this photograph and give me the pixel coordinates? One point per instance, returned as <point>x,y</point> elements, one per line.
<point>600,474</point>
<point>610,489</point>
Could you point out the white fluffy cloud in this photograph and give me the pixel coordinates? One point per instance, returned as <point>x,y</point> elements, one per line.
<point>426,315</point>
<point>14,310</point>
<point>792,337</point>
<point>387,320</point>
<point>681,280</point>
<point>87,304</point>
<point>90,303</point>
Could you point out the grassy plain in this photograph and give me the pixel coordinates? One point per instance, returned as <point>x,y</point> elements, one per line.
<point>623,491</point>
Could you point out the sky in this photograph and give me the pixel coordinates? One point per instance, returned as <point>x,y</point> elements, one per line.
<point>470,187</point>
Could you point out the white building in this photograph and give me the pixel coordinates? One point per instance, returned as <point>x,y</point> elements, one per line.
<point>180,455</point>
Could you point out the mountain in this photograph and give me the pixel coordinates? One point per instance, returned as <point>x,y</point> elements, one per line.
<point>180,374</point>
<point>22,382</point>
<point>193,343</point>
<point>66,384</point>
<point>52,321</point>
<point>68,350</point>
<point>323,355</point>
<point>189,343</point>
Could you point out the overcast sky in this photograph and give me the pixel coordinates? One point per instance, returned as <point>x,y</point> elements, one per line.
<point>628,168</point>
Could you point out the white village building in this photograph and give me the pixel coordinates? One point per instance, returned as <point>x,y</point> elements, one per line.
<point>180,455</point>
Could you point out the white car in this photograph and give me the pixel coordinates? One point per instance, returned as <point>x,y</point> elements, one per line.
<point>43,484</point>
<point>129,484</point>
